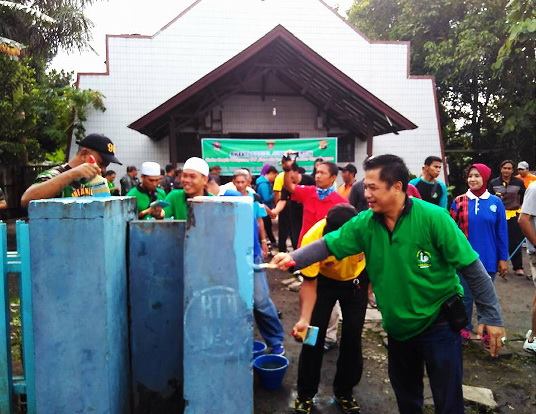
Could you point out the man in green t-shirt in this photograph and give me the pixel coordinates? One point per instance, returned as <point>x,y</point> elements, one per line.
<point>413,250</point>
<point>194,180</point>
<point>147,192</point>
<point>110,177</point>
<point>70,179</point>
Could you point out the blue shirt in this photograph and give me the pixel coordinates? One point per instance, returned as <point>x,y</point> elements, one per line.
<point>265,191</point>
<point>258,212</point>
<point>488,232</point>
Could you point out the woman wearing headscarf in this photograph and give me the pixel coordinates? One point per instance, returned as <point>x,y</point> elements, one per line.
<point>511,191</point>
<point>481,216</point>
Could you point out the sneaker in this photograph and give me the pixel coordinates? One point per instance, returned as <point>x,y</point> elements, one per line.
<point>466,335</point>
<point>529,346</point>
<point>329,345</point>
<point>303,405</point>
<point>520,272</point>
<point>278,350</point>
<point>348,404</point>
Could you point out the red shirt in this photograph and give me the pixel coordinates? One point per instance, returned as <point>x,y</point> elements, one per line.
<point>314,209</point>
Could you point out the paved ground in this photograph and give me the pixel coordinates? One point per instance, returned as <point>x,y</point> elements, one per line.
<point>512,377</point>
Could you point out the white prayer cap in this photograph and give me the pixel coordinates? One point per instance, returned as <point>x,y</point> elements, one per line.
<point>150,168</point>
<point>196,164</point>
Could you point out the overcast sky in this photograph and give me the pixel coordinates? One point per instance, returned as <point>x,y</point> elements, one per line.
<point>130,16</point>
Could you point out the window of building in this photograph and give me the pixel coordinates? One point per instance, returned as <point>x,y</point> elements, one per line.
<point>345,147</point>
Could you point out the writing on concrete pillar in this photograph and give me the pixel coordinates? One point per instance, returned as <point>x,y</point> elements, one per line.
<point>215,311</point>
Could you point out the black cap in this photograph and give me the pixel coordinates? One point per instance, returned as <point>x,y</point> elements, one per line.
<point>338,215</point>
<point>349,167</point>
<point>103,145</point>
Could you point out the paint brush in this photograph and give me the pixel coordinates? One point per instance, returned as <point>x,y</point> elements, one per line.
<point>261,266</point>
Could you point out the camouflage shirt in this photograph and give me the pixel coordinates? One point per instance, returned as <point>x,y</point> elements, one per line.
<point>75,189</point>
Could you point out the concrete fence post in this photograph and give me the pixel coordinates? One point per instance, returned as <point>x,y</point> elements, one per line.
<point>218,302</point>
<point>79,291</point>
<point>156,251</point>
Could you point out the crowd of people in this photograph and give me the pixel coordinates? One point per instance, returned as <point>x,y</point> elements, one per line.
<point>386,240</point>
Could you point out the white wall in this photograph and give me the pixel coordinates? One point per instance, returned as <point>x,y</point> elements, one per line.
<point>146,72</point>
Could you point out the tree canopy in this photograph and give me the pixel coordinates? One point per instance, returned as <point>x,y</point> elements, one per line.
<point>482,53</point>
<point>39,108</point>
<point>46,25</point>
<point>38,116</point>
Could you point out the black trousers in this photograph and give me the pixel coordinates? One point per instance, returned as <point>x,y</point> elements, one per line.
<point>514,238</point>
<point>268,228</point>
<point>283,229</point>
<point>289,225</point>
<point>353,301</point>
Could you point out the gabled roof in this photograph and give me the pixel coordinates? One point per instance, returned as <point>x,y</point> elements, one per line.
<point>299,67</point>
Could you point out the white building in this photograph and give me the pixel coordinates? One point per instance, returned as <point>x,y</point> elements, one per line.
<point>220,68</point>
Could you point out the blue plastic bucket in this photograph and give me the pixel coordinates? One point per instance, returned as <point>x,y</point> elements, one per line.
<point>259,348</point>
<point>271,370</point>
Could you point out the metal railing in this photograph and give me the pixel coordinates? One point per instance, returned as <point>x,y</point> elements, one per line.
<point>16,264</point>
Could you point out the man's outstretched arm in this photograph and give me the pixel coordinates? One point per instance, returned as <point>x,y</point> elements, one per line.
<point>303,257</point>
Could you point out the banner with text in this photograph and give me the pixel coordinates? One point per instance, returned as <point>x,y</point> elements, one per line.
<point>233,153</point>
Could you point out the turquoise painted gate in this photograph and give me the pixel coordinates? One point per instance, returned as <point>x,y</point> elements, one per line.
<point>16,265</point>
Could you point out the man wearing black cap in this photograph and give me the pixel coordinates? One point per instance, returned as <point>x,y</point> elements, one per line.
<point>69,180</point>
<point>325,283</point>
<point>348,176</point>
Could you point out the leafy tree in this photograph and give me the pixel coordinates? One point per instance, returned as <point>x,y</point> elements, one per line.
<point>17,96</point>
<point>36,118</point>
<point>516,68</point>
<point>40,111</point>
<point>45,25</point>
<point>483,61</point>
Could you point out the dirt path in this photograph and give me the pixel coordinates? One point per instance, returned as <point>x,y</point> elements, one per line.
<point>512,377</point>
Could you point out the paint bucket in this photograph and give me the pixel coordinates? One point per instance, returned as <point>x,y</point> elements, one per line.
<point>258,348</point>
<point>271,370</point>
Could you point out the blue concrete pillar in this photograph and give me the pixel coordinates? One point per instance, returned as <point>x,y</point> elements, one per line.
<point>218,302</point>
<point>79,291</point>
<point>156,310</point>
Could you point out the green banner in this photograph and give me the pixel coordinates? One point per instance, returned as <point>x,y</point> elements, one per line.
<point>233,153</point>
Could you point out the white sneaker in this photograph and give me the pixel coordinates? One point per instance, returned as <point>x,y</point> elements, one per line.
<point>529,346</point>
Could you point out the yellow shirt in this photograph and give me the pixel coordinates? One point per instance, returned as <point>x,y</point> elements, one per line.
<point>279,181</point>
<point>346,269</point>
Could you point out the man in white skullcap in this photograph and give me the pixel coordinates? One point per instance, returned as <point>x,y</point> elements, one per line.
<point>194,180</point>
<point>148,192</point>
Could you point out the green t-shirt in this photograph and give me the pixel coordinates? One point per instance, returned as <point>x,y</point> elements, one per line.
<point>412,269</point>
<point>112,188</point>
<point>143,200</point>
<point>178,206</point>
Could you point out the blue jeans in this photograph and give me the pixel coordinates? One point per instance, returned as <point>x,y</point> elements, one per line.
<point>264,310</point>
<point>439,349</point>
<point>468,300</point>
